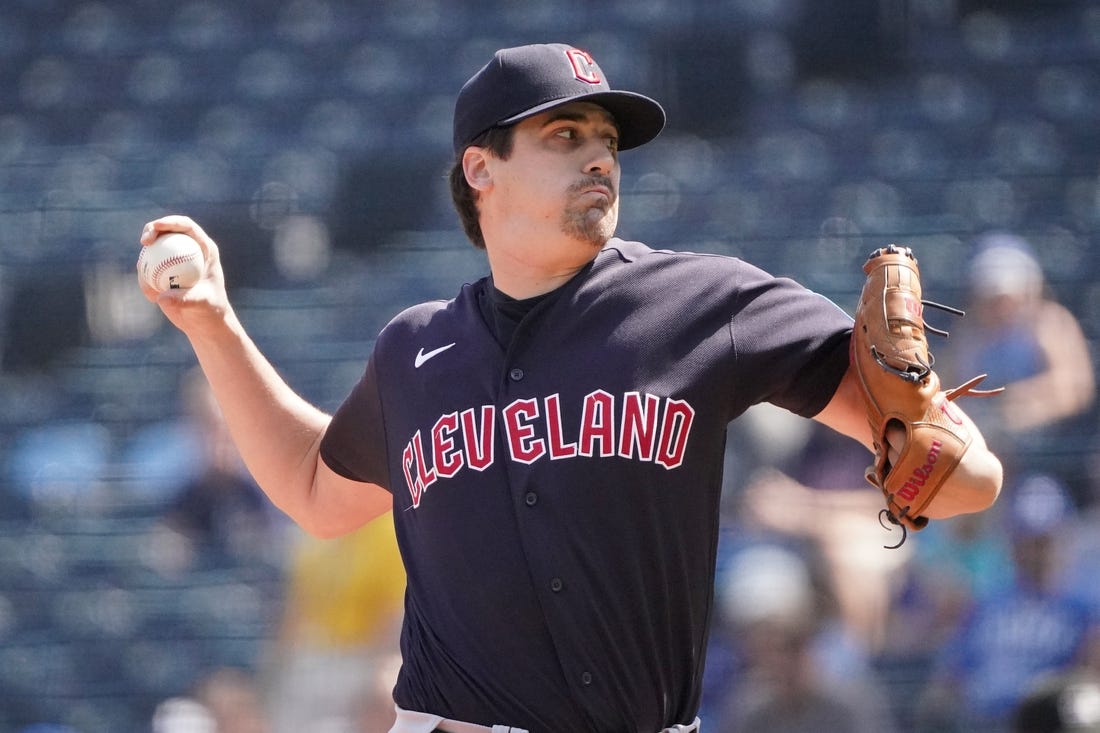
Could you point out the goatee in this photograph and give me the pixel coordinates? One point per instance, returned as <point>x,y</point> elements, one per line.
<point>591,221</point>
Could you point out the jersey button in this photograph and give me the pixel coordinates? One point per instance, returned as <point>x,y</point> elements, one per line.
<point>515,374</point>
<point>556,585</point>
<point>586,678</point>
<point>532,498</point>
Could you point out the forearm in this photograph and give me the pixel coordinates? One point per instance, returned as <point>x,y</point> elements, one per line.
<point>276,431</point>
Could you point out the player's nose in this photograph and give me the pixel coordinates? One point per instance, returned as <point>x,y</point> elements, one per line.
<point>600,160</point>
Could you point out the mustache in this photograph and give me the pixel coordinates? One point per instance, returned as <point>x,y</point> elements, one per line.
<point>594,181</point>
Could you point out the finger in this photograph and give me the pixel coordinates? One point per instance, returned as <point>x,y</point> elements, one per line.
<point>896,438</point>
<point>156,227</point>
<point>173,223</point>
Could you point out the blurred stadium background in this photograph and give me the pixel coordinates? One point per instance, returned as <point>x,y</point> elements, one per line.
<point>311,139</point>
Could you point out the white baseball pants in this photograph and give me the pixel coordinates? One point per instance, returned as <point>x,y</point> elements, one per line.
<point>409,721</point>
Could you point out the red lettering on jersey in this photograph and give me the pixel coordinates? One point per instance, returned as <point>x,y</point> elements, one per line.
<point>639,426</point>
<point>479,443</point>
<point>584,67</point>
<point>558,447</point>
<point>412,460</point>
<point>675,428</point>
<point>408,462</point>
<point>525,447</point>
<point>598,424</point>
<point>651,428</point>
<point>425,475</point>
<point>446,457</point>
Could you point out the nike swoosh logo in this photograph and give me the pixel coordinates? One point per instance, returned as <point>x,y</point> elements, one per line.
<point>422,357</point>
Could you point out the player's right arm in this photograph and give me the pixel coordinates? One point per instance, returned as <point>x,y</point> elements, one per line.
<point>277,432</point>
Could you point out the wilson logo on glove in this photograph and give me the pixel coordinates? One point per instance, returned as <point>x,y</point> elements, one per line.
<point>891,356</point>
<point>911,488</point>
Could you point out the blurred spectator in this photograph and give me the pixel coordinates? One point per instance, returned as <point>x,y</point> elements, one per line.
<point>1080,548</point>
<point>233,699</point>
<point>223,700</point>
<point>799,671</point>
<point>374,710</point>
<point>956,563</point>
<point>220,511</point>
<point>968,552</point>
<point>183,715</point>
<point>334,659</point>
<point>1080,542</point>
<point>824,499</point>
<point>1026,341</point>
<point>1012,638</point>
<point>1063,704</point>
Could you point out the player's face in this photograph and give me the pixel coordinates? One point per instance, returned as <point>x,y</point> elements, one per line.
<point>564,169</point>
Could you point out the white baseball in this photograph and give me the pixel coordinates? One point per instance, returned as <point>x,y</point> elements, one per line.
<point>172,261</point>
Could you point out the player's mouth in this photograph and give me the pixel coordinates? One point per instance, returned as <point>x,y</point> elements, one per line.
<point>596,185</point>
<point>601,191</point>
<point>596,192</point>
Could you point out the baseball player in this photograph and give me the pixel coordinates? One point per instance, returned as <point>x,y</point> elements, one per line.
<point>551,440</point>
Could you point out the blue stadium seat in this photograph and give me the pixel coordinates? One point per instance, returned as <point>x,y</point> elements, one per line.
<point>157,459</point>
<point>48,82</point>
<point>97,29</point>
<point>344,126</point>
<point>205,25</point>
<point>60,464</point>
<point>309,23</point>
<point>908,153</point>
<point>1069,93</point>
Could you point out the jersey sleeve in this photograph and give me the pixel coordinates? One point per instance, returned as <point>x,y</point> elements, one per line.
<point>790,342</point>
<point>354,445</point>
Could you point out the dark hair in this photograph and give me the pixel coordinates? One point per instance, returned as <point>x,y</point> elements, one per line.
<point>498,140</point>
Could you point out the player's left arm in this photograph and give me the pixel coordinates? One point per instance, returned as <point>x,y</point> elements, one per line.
<point>972,487</point>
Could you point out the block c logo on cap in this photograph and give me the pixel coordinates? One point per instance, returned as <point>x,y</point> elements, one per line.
<point>584,68</point>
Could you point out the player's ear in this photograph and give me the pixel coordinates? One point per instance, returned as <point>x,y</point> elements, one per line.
<point>476,169</point>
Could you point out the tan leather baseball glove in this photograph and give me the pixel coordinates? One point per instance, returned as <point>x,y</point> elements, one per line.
<point>891,356</point>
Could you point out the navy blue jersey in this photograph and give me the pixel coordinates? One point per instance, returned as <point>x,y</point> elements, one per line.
<point>556,502</point>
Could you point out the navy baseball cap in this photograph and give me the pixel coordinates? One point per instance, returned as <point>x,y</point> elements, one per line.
<point>525,80</point>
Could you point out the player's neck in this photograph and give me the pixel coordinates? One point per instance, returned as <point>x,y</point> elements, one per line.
<point>525,270</point>
<point>523,285</point>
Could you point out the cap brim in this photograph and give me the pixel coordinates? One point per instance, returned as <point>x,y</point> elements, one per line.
<point>639,118</point>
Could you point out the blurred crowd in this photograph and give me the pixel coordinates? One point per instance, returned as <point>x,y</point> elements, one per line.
<point>979,624</point>
<point>333,658</point>
<point>965,625</point>
<point>155,583</point>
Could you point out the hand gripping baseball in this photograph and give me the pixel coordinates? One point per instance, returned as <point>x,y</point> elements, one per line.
<point>203,303</point>
<point>900,389</point>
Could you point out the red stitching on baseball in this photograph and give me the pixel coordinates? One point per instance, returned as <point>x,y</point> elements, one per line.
<point>170,262</point>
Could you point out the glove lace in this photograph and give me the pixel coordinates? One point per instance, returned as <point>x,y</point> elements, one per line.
<point>886,514</point>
